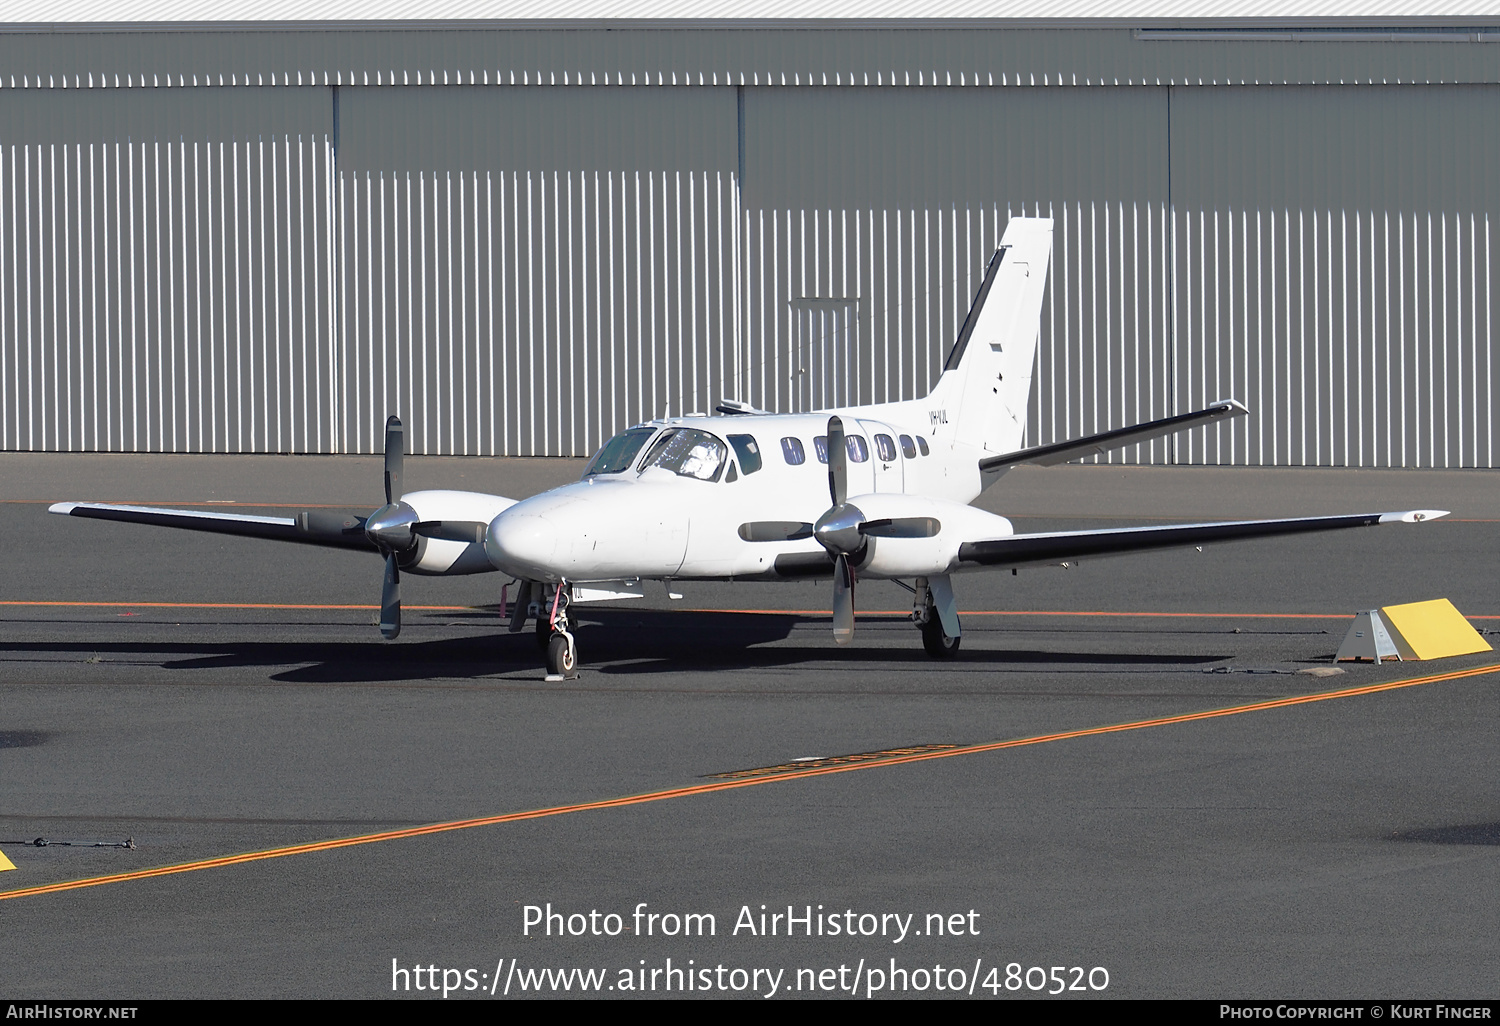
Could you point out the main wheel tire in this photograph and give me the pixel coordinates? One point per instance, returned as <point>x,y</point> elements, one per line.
<point>938,644</point>
<point>561,656</point>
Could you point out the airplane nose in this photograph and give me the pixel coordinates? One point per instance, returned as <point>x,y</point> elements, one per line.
<point>521,545</point>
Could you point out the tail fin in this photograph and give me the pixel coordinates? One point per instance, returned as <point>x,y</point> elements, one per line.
<point>983,393</point>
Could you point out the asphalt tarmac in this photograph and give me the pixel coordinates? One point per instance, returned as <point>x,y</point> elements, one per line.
<point>213,697</point>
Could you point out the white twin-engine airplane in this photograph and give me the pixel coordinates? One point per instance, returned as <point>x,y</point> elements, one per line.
<point>876,491</point>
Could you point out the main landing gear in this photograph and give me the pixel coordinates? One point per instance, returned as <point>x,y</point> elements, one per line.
<point>925,614</point>
<point>554,634</point>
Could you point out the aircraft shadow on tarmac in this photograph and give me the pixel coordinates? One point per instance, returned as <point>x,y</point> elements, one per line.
<point>612,642</point>
<point>1475,833</point>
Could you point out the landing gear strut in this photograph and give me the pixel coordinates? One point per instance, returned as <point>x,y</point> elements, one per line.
<point>938,643</point>
<point>554,635</point>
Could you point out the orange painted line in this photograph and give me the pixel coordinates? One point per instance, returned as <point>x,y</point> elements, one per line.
<point>1047,612</point>
<point>729,785</point>
<point>1189,616</point>
<point>212,605</point>
<point>1068,612</point>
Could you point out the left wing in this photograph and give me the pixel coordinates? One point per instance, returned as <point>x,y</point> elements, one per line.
<point>1108,441</point>
<point>312,527</point>
<point>1062,546</point>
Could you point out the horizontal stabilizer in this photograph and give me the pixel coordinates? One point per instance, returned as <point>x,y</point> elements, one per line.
<point>1094,445</point>
<point>1062,546</point>
<point>313,527</point>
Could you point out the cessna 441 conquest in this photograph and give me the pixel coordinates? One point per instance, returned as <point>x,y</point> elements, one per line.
<point>744,496</point>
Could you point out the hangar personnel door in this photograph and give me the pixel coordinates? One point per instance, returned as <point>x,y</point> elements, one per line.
<point>825,372</point>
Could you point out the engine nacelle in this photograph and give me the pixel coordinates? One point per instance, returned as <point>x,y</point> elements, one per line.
<point>439,557</point>
<point>922,557</point>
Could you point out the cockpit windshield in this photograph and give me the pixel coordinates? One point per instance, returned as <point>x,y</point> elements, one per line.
<point>688,453</point>
<point>619,452</point>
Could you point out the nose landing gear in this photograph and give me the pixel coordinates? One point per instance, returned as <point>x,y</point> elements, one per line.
<point>553,633</point>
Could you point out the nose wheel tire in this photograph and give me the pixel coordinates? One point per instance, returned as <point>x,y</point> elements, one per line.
<point>562,657</point>
<point>938,644</point>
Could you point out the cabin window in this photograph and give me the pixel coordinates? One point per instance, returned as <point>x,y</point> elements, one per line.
<point>792,452</point>
<point>859,449</point>
<point>820,448</point>
<point>688,452</point>
<point>748,452</point>
<point>619,452</point>
<point>885,448</point>
<point>908,447</point>
<point>922,444</point>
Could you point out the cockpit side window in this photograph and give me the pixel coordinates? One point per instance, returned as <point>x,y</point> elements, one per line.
<point>688,452</point>
<point>748,451</point>
<point>619,452</point>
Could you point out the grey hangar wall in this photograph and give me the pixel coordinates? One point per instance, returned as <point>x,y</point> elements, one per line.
<point>524,239</point>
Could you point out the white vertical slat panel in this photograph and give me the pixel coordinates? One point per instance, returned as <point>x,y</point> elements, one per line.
<point>596,350</point>
<point>168,284</point>
<point>1374,313</point>
<point>140,271</point>
<point>1360,336</point>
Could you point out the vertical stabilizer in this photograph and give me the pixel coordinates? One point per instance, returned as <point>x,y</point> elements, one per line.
<point>983,393</point>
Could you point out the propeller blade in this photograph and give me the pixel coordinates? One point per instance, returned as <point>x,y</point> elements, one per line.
<point>901,527</point>
<point>838,462</point>
<point>470,531</point>
<point>395,448</point>
<point>775,530</point>
<point>390,600</point>
<point>843,601</point>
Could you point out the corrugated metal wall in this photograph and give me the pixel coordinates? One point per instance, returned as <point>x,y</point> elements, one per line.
<point>526,270</point>
<point>612,52</point>
<point>1335,272</point>
<point>165,272</point>
<point>899,197</point>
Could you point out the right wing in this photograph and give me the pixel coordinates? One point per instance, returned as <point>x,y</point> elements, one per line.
<point>312,527</point>
<point>1051,548</point>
